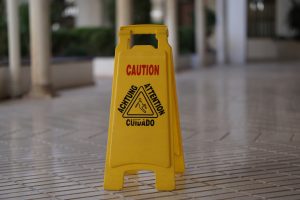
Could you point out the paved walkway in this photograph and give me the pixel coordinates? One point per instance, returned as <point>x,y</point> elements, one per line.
<point>240,125</point>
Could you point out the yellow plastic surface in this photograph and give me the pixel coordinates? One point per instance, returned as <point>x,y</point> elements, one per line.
<point>144,130</point>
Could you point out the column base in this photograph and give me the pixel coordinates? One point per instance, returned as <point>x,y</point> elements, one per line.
<point>41,92</point>
<point>15,92</point>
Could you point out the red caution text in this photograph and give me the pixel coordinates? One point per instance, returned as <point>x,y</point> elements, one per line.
<point>142,70</point>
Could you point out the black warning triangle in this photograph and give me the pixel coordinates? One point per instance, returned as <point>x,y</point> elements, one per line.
<point>140,106</point>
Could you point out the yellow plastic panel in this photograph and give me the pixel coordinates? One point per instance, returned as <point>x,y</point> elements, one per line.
<point>144,131</point>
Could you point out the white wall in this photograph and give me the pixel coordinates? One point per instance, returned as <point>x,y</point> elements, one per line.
<point>71,74</point>
<point>268,49</point>
<point>103,66</point>
<point>236,12</point>
<point>65,75</point>
<point>262,48</point>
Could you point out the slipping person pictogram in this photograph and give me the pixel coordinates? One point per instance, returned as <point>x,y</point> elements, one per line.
<point>141,105</point>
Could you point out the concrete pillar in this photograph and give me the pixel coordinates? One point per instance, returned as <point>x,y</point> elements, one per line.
<point>14,47</point>
<point>123,12</point>
<point>236,15</point>
<point>90,13</point>
<point>40,48</point>
<point>171,22</point>
<point>220,32</point>
<point>200,31</point>
<point>123,15</point>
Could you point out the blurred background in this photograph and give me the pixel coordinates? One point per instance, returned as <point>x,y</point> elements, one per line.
<point>238,85</point>
<point>53,44</point>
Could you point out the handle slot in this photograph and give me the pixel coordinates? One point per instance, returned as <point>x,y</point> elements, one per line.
<point>158,36</point>
<point>143,39</point>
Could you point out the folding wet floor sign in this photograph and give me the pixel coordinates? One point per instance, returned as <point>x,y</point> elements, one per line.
<point>144,131</point>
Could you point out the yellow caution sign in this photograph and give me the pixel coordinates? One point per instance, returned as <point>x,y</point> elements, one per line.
<point>144,131</point>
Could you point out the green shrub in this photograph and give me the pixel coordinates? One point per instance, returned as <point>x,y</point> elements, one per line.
<point>65,42</point>
<point>210,21</point>
<point>83,42</point>
<point>141,10</point>
<point>187,33</point>
<point>186,39</point>
<point>3,32</point>
<point>24,30</point>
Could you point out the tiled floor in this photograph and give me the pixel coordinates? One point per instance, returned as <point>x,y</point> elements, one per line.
<point>240,125</point>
